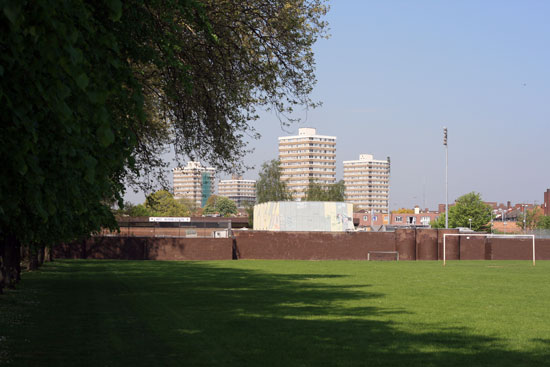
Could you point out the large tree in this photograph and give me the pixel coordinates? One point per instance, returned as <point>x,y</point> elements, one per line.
<point>269,186</point>
<point>220,205</point>
<point>532,218</point>
<point>70,108</point>
<point>92,91</point>
<point>163,204</point>
<point>332,192</point>
<point>469,206</point>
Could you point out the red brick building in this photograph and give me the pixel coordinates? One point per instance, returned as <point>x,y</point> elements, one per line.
<point>546,202</point>
<point>418,218</point>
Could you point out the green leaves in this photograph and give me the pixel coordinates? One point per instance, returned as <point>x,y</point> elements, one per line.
<point>270,187</point>
<point>105,135</point>
<point>82,81</point>
<point>64,107</point>
<point>12,11</point>
<point>115,6</point>
<point>319,192</point>
<point>469,206</point>
<point>220,205</point>
<point>163,204</point>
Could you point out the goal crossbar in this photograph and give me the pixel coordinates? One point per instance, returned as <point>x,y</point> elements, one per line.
<point>487,235</point>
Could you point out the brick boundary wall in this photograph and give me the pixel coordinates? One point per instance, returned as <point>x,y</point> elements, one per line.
<point>420,244</point>
<point>147,248</point>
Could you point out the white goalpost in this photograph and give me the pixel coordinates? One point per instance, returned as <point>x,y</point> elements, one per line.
<point>487,235</point>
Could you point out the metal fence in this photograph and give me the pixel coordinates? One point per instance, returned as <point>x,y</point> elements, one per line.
<point>540,233</point>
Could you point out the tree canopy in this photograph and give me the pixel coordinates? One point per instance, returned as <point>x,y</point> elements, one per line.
<point>320,192</point>
<point>220,205</point>
<point>207,66</point>
<point>469,206</point>
<point>544,222</point>
<point>92,91</point>
<point>163,204</point>
<point>269,186</point>
<point>534,219</point>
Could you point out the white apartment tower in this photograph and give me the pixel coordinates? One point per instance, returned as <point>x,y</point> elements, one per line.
<point>367,183</point>
<point>307,157</point>
<point>239,190</point>
<point>194,182</point>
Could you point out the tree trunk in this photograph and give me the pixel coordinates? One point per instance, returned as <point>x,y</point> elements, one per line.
<point>41,254</point>
<point>18,249</point>
<point>48,256</point>
<point>11,259</point>
<point>33,258</point>
<point>2,270</point>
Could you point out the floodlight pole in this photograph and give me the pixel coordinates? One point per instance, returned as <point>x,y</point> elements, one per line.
<point>446,177</point>
<point>524,216</point>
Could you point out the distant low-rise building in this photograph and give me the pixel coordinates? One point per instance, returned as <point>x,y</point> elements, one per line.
<point>419,218</point>
<point>413,218</point>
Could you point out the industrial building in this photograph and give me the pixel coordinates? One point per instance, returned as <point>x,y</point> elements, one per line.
<point>307,157</point>
<point>194,182</point>
<point>367,183</point>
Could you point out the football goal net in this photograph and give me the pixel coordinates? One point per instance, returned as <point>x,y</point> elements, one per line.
<point>487,235</point>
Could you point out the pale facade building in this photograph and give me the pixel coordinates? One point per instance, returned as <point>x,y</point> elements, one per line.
<point>307,157</point>
<point>367,183</point>
<point>239,190</point>
<point>194,182</point>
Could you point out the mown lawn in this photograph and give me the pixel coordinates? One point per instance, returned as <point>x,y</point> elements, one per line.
<point>278,313</point>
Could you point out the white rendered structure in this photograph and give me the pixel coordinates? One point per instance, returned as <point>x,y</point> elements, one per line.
<point>239,190</point>
<point>194,182</point>
<point>307,157</point>
<point>445,235</point>
<point>310,216</point>
<point>367,183</point>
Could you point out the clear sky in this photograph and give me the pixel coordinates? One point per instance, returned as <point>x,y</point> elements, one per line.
<point>394,73</point>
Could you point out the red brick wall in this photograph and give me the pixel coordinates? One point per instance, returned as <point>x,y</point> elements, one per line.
<point>519,249</point>
<point>312,245</point>
<point>472,248</point>
<point>147,248</point>
<point>420,244</point>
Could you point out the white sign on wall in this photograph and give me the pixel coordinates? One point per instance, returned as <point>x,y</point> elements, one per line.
<point>169,219</point>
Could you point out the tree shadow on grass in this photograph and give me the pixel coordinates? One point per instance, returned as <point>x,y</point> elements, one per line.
<point>174,314</point>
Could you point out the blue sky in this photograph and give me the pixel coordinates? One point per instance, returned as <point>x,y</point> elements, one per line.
<point>393,73</point>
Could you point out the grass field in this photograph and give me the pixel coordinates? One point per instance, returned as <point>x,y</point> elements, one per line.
<point>278,313</point>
